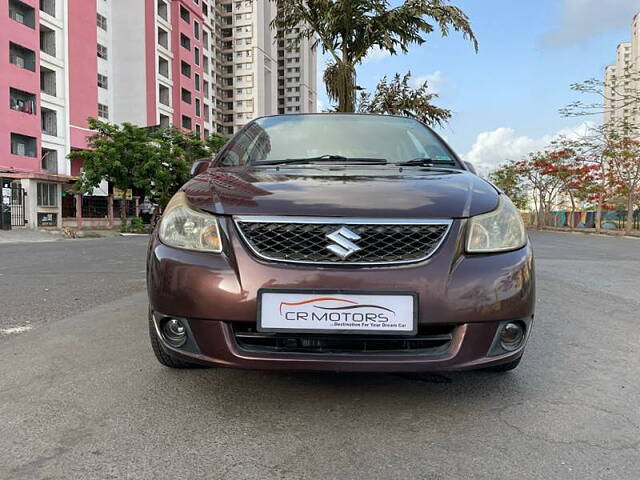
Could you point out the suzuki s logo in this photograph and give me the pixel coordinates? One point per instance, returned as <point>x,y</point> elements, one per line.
<point>343,245</point>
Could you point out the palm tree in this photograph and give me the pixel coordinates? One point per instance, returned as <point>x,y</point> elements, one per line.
<point>349,29</point>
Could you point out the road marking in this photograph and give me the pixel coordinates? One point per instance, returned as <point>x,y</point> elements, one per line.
<point>15,330</point>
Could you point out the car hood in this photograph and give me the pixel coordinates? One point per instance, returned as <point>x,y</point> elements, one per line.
<point>344,191</point>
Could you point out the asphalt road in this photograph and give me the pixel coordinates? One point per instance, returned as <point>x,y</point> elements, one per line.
<point>81,395</point>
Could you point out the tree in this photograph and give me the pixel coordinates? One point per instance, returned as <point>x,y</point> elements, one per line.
<point>509,179</point>
<point>543,188</point>
<point>623,155</point>
<point>155,162</point>
<point>348,29</point>
<point>570,169</point>
<point>398,97</point>
<point>120,154</point>
<point>618,92</point>
<point>595,184</point>
<point>215,143</point>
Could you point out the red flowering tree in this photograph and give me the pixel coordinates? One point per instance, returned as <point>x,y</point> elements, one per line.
<point>543,187</point>
<point>623,163</point>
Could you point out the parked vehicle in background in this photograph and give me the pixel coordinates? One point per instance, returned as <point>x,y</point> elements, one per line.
<point>340,242</point>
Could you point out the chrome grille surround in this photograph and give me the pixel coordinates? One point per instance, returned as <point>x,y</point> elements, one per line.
<point>305,240</point>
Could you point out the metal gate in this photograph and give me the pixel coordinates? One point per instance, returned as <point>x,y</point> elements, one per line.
<point>17,205</point>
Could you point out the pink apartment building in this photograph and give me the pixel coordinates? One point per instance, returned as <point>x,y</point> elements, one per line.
<point>202,65</point>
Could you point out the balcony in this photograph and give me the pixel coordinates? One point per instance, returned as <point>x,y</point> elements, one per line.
<point>22,13</point>
<point>22,57</point>
<point>22,101</point>
<point>23,145</point>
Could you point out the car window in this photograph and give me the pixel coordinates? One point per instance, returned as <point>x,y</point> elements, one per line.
<point>353,136</point>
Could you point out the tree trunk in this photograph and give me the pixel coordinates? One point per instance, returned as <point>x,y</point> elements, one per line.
<point>572,219</point>
<point>629,225</point>
<point>598,214</point>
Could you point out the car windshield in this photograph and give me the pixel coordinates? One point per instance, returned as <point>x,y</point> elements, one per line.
<point>337,138</point>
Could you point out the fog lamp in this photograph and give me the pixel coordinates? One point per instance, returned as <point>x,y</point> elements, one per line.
<point>174,332</point>
<point>511,336</point>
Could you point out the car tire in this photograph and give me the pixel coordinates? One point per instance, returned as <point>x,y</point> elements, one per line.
<point>505,367</point>
<point>164,358</point>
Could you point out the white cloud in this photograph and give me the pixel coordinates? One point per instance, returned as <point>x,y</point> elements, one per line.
<point>434,81</point>
<point>376,54</point>
<point>503,144</point>
<point>583,19</point>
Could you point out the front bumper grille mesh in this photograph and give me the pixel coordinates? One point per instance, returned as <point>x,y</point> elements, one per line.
<point>308,243</point>
<point>430,340</point>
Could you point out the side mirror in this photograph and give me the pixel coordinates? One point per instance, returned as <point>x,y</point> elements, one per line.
<point>470,167</point>
<point>200,166</point>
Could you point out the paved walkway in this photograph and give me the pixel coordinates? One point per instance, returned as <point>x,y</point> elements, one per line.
<point>23,235</point>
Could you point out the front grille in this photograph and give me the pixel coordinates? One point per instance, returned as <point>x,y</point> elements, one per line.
<point>430,340</point>
<point>306,241</point>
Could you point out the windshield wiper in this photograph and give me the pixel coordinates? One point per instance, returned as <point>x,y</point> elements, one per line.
<point>427,162</point>
<point>339,159</point>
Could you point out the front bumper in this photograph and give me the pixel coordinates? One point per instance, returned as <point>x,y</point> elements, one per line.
<point>473,294</point>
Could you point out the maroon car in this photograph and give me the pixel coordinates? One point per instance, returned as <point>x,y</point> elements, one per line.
<point>340,242</point>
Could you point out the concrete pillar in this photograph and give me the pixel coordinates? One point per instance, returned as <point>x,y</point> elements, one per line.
<point>110,209</point>
<point>137,200</point>
<point>79,210</point>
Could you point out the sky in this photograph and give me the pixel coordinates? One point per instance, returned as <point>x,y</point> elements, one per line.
<point>505,99</point>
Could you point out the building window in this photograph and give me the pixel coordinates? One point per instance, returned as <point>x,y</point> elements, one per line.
<point>185,68</point>
<point>22,57</point>
<point>165,121</point>
<point>47,81</point>
<point>196,55</point>
<point>186,96</point>
<point>186,122</point>
<point>198,131</point>
<point>197,82</point>
<point>102,22</point>
<point>103,111</point>
<point>47,195</point>
<point>22,101</point>
<point>49,161</point>
<point>23,145</point>
<point>47,41</point>
<point>163,11</point>
<point>163,38</point>
<point>196,30</point>
<point>197,107</point>
<point>102,52</point>
<point>49,122</point>
<point>185,42</point>
<point>22,13</point>
<point>163,67</point>
<point>184,14</point>
<point>164,95</point>
<point>48,7</point>
<point>103,81</point>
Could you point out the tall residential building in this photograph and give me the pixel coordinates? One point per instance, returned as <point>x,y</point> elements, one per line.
<point>622,80</point>
<point>208,66</point>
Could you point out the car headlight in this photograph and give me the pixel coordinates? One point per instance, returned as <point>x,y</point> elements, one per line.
<point>497,231</point>
<point>184,227</point>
